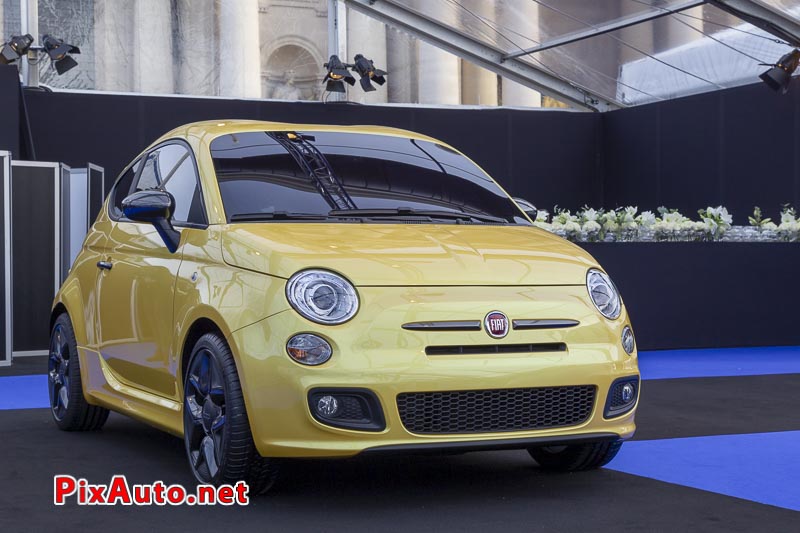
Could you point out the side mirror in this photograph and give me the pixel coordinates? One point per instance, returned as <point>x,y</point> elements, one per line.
<point>527,207</point>
<point>154,207</point>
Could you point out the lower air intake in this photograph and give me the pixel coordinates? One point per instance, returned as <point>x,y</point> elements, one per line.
<point>496,410</point>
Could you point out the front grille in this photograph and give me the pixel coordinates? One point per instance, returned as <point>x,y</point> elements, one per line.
<point>496,410</point>
<point>480,349</point>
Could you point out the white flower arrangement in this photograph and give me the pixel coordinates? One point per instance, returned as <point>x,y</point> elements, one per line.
<point>590,224</point>
<point>716,221</point>
<point>789,228</point>
<point>541,221</point>
<point>565,223</point>
<point>628,224</point>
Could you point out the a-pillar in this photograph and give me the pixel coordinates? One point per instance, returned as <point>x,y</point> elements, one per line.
<point>240,49</point>
<point>366,36</point>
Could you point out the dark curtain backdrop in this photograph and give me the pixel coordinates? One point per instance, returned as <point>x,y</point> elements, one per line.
<point>735,147</point>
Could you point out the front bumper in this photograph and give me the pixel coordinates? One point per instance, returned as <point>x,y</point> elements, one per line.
<point>373,352</point>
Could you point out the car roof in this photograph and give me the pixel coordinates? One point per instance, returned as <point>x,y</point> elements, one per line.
<point>208,130</point>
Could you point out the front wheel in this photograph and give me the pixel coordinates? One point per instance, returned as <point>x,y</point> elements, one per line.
<point>68,405</point>
<point>217,434</point>
<point>575,457</point>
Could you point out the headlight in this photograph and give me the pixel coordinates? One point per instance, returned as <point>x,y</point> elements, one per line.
<point>322,297</point>
<point>603,294</point>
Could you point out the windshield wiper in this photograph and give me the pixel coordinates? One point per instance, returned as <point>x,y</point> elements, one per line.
<point>407,211</point>
<point>275,215</point>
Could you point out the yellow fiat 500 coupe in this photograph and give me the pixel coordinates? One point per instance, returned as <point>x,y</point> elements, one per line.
<point>269,290</point>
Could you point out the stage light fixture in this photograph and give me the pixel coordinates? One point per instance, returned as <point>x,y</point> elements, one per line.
<point>337,75</point>
<point>367,71</point>
<point>778,77</point>
<point>15,48</point>
<point>60,53</point>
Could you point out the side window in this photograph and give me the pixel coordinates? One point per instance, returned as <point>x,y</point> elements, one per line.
<point>176,171</point>
<point>171,168</point>
<point>148,179</point>
<point>122,189</point>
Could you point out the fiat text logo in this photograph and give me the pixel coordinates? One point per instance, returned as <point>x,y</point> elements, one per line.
<point>496,324</point>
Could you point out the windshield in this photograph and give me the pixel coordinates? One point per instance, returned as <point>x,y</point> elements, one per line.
<point>336,175</point>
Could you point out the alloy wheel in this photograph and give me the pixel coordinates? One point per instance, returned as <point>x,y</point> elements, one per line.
<point>204,415</point>
<point>58,372</point>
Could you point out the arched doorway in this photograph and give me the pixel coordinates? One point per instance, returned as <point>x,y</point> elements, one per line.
<point>292,73</point>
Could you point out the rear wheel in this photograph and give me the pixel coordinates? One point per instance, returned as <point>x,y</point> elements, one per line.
<point>68,405</point>
<point>217,434</point>
<point>576,457</point>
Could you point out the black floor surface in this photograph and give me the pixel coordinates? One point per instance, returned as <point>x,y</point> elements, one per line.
<point>489,491</point>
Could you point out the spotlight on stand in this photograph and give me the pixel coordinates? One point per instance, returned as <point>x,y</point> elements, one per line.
<point>15,48</point>
<point>366,69</point>
<point>337,75</point>
<point>60,53</point>
<point>778,77</point>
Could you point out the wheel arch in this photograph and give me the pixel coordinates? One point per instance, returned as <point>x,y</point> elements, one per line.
<point>58,309</point>
<point>201,326</point>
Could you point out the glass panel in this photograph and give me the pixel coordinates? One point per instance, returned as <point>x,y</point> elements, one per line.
<point>176,169</point>
<point>375,171</point>
<point>122,189</point>
<point>790,6</point>
<point>694,51</point>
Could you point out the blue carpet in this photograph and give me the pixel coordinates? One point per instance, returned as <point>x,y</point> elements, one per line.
<point>717,362</point>
<point>761,467</point>
<point>23,392</point>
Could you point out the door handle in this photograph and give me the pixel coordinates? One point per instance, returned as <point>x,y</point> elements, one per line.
<point>104,265</point>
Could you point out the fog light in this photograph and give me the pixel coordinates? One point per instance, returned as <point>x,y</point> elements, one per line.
<point>327,405</point>
<point>626,393</point>
<point>309,349</point>
<point>628,342</point>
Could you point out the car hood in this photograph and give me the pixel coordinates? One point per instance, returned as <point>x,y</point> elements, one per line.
<point>409,254</point>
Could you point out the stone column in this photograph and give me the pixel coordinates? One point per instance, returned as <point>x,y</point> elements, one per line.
<point>153,59</point>
<point>478,85</point>
<point>239,49</point>
<point>113,38</point>
<point>197,52</point>
<point>517,95</point>
<point>439,79</point>
<point>366,36</point>
<point>439,76</point>
<point>402,61</point>
<point>523,18</point>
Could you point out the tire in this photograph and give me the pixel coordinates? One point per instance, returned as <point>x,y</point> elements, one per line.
<point>68,405</point>
<point>219,443</point>
<point>575,457</point>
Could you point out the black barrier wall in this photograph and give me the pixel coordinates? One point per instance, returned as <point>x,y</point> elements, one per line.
<point>734,147</point>
<point>547,156</point>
